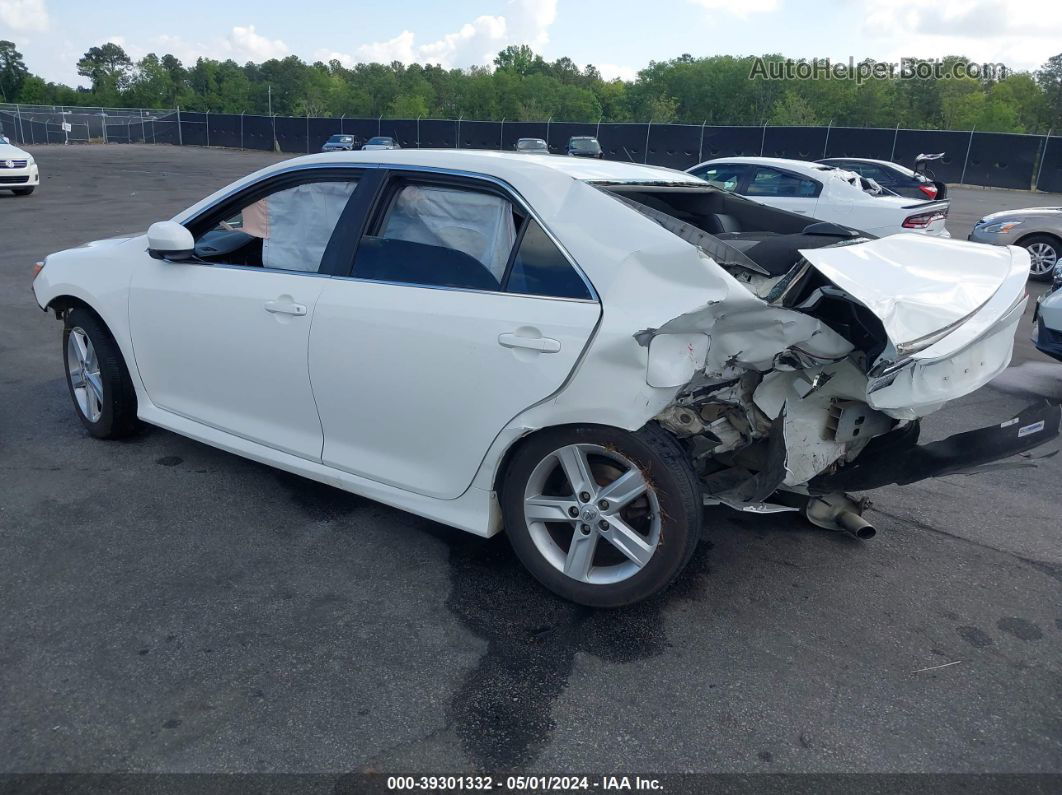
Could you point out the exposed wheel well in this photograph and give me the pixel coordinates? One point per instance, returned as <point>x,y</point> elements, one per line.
<point>62,304</point>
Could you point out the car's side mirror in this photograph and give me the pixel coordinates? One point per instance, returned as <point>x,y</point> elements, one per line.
<point>170,241</point>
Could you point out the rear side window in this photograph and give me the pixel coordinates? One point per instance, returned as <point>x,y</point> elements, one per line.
<point>440,236</point>
<point>725,176</point>
<point>540,268</point>
<point>771,182</point>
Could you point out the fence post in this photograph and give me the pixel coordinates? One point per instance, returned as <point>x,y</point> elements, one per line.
<point>597,132</point>
<point>241,130</point>
<point>276,146</point>
<point>457,140</point>
<point>700,149</point>
<point>341,123</point>
<point>763,139</point>
<point>208,128</point>
<point>645,154</point>
<point>962,179</point>
<point>418,132</point>
<point>547,132</point>
<point>501,135</point>
<point>307,132</point>
<point>896,132</point>
<point>379,123</point>
<point>1043,157</point>
<point>826,143</point>
<point>103,115</point>
<point>180,133</point>
<point>21,130</point>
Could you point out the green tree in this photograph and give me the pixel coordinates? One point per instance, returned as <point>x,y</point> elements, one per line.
<point>13,71</point>
<point>109,69</point>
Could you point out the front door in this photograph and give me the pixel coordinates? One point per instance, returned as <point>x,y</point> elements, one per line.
<point>222,339</point>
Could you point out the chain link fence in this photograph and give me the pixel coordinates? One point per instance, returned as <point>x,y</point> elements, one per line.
<point>999,160</point>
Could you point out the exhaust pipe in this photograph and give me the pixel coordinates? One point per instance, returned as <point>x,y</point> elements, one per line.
<point>856,526</point>
<point>840,512</point>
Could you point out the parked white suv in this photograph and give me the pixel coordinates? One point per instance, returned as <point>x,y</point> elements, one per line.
<point>18,170</point>
<point>825,193</point>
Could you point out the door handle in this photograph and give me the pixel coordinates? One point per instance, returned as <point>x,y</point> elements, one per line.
<point>278,308</point>
<point>540,344</point>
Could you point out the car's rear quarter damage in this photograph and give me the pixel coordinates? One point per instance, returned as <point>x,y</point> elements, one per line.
<point>791,380</point>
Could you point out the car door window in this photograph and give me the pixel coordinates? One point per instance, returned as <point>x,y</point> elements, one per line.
<point>540,268</point>
<point>725,176</point>
<point>440,236</point>
<point>781,184</point>
<point>287,229</point>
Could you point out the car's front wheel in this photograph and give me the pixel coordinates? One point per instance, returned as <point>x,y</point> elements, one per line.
<point>601,516</point>
<point>1044,252</point>
<point>96,375</point>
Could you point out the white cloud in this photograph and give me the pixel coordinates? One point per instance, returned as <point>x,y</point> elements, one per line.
<point>24,14</point>
<point>325,55</point>
<point>610,71</point>
<point>244,44</point>
<point>1020,34</point>
<point>473,43</point>
<point>739,8</point>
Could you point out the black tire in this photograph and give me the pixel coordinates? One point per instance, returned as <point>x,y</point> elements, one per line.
<point>673,485</point>
<point>23,191</point>
<point>117,418</point>
<point>1050,242</point>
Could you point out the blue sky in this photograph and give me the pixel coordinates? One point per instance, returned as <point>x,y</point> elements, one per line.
<point>618,36</point>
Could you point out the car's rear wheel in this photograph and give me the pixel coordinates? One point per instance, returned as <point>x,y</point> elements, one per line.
<point>601,516</point>
<point>23,191</point>
<point>96,375</point>
<point>1044,252</point>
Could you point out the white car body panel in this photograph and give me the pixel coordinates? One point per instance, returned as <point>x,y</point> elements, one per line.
<point>841,201</point>
<point>11,153</point>
<point>441,401</point>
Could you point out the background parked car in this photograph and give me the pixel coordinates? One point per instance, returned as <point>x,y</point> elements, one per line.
<point>18,171</point>
<point>824,193</point>
<point>341,143</point>
<point>381,142</point>
<point>532,146</point>
<point>584,146</point>
<point>892,176</point>
<point>1038,229</point>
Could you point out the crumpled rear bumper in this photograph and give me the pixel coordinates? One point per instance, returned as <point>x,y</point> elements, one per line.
<point>896,457</point>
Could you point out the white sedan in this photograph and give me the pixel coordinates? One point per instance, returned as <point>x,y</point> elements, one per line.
<point>18,170</point>
<point>826,193</point>
<point>554,346</point>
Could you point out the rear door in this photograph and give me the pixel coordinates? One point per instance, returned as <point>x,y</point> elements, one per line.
<point>460,312</point>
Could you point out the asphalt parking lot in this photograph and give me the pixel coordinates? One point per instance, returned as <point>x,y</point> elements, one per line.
<point>165,606</point>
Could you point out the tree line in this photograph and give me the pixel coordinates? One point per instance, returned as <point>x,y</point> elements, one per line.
<point>523,86</point>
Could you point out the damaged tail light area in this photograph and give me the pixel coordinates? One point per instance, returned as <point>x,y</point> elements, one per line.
<point>775,401</point>
<point>923,220</point>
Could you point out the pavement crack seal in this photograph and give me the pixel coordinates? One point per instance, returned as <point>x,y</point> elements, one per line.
<point>502,711</point>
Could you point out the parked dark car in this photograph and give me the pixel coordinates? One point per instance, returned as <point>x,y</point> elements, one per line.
<point>532,146</point>
<point>584,146</point>
<point>893,177</point>
<point>341,143</point>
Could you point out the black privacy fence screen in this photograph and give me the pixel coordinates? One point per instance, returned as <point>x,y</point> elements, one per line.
<point>998,160</point>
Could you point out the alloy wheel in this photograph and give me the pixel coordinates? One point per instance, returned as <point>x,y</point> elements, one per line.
<point>592,513</point>
<point>84,370</point>
<point>1043,258</point>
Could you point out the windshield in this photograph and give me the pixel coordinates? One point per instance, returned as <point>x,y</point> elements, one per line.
<point>380,140</point>
<point>585,145</point>
<point>531,143</point>
<point>341,139</point>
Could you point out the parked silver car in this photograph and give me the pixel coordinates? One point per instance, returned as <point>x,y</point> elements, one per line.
<point>1037,229</point>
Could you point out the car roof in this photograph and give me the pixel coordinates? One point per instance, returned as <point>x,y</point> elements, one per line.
<point>507,166</point>
<point>802,166</point>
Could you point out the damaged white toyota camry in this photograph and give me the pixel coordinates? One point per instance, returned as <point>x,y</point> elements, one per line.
<point>568,349</point>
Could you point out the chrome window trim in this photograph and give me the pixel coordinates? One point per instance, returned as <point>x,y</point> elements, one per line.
<point>515,196</point>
